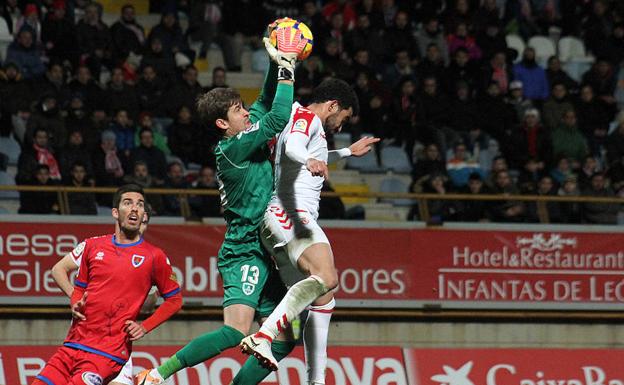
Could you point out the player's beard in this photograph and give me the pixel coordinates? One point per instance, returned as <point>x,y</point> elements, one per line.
<point>130,231</point>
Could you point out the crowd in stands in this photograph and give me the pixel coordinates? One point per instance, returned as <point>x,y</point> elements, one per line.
<point>99,105</point>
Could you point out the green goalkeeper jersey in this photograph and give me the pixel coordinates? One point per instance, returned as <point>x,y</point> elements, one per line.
<point>244,171</point>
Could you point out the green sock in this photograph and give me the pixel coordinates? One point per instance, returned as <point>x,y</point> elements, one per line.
<point>200,349</point>
<point>253,373</point>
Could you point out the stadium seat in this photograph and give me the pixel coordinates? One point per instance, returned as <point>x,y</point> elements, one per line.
<point>395,185</point>
<point>395,158</point>
<point>574,57</point>
<point>517,43</point>
<point>544,48</point>
<point>7,179</point>
<point>10,147</point>
<point>366,163</point>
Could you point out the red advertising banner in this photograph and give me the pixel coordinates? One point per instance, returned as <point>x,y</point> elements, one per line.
<point>382,267</point>
<point>365,365</point>
<point>514,366</point>
<point>346,365</point>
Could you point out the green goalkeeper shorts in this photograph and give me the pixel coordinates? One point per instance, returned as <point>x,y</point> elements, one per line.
<point>249,277</point>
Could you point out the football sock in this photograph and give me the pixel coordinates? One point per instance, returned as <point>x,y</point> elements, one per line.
<point>296,299</point>
<point>253,373</point>
<point>200,349</point>
<point>315,334</point>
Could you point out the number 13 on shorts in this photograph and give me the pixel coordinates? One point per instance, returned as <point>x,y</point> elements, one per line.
<point>249,278</point>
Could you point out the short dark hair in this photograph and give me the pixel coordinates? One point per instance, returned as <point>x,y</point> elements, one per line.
<point>145,129</point>
<point>149,211</point>
<point>127,188</point>
<point>215,104</point>
<point>338,90</point>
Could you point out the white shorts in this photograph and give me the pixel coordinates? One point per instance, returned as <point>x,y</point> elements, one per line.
<point>293,233</point>
<point>125,376</point>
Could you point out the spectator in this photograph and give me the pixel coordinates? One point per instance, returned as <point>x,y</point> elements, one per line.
<point>333,63</point>
<point>366,36</point>
<point>431,33</point>
<point>151,155</point>
<point>206,205</point>
<point>599,213</point>
<point>562,170</point>
<point>545,188</point>
<point>500,117</point>
<point>519,17</point>
<point>601,77</point>
<point>15,93</point>
<point>461,69</point>
<point>170,34</point>
<point>313,18</point>
<point>218,79</point>
<point>124,132</point>
<point>474,210</point>
<point>39,202</point>
<point>440,210</point>
<point>597,25</point>
<point>344,8</point>
<point>240,31</point>
<point>463,112</point>
<point>24,53</point>
<point>39,152</point>
<point>174,180</point>
<point>89,90</point>
<point>58,34</point>
<point>80,203</point>
<point>163,63</point>
<point>47,116</point>
<point>150,91</point>
<point>532,76</point>
<point>497,71</point>
<point>185,92</point>
<point>431,163</point>
<point>613,49</point>
<point>335,32</point>
<point>530,141</point>
<point>530,175</point>
<point>121,95</point>
<point>556,105</point>
<point>517,100</point>
<point>432,65</point>
<point>30,21</point>
<point>184,135</point>
<point>589,167</point>
<point>94,38</point>
<point>570,211</point>
<point>555,74</point>
<point>460,13</point>
<point>594,116</point>
<point>461,38</point>
<point>567,139</point>
<point>491,40</point>
<point>10,11</point>
<point>373,107</point>
<point>204,23</point>
<point>400,36</point>
<point>506,210</point>
<point>159,133</point>
<point>141,176</point>
<point>460,164</point>
<point>361,63</point>
<point>400,69</point>
<point>408,115</point>
<point>75,152</point>
<point>79,119</point>
<point>107,166</point>
<point>53,83</point>
<point>127,35</point>
<point>615,174</point>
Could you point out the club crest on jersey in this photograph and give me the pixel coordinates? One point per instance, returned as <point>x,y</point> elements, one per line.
<point>91,378</point>
<point>248,288</point>
<point>301,125</point>
<point>99,256</point>
<point>137,260</point>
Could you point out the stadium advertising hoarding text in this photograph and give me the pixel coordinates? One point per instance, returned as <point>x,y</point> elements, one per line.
<point>360,365</point>
<point>381,267</point>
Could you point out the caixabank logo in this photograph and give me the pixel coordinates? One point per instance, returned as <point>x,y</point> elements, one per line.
<point>515,367</point>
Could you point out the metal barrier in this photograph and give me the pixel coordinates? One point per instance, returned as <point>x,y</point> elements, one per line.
<point>421,199</point>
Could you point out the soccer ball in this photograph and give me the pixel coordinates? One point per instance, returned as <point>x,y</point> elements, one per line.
<point>305,32</point>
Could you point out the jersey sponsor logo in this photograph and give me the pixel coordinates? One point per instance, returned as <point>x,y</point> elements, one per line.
<point>137,260</point>
<point>99,256</point>
<point>248,288</point>
<point>91,378</point>
<point>252,128</point>
<point>79,249</point>
<point>300,125</point>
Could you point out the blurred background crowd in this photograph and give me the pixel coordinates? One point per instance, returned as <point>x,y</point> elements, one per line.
<point>470,96</point>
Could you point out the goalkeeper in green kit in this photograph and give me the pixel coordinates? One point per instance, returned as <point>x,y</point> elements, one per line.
<point>252,287</point>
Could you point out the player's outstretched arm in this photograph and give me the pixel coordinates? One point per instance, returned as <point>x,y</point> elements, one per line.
<point>61,271</point>
<point>359,148</point>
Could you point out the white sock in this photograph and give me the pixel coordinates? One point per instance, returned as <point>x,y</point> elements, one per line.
<point>300,295</point>
<point>315,334</point>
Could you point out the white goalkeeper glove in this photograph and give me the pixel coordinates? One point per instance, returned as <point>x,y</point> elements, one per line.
<point>289,46</point>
